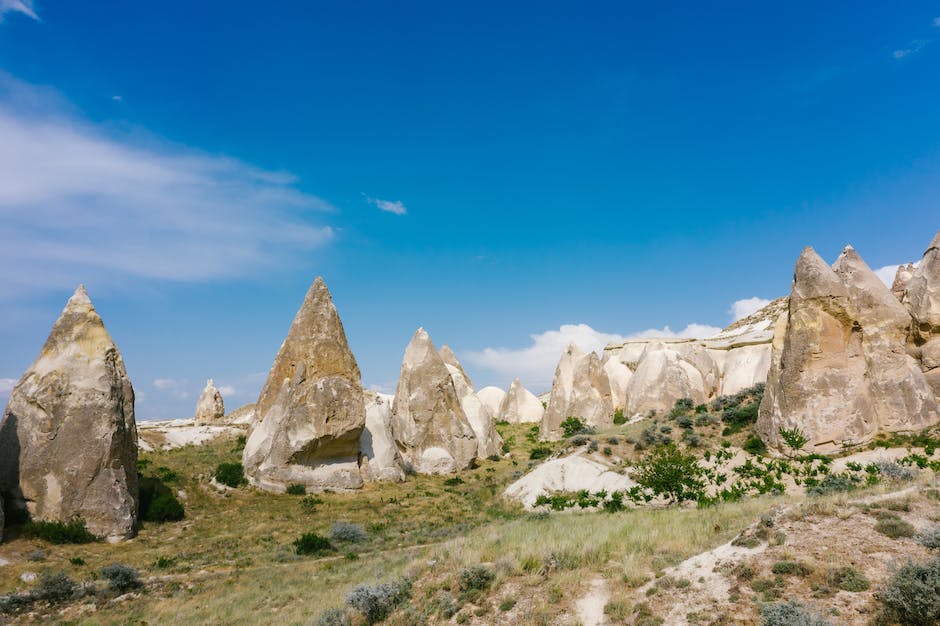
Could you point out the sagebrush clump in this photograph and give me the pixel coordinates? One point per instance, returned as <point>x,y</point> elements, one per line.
<point>912,596</point>
<point>344,532</point>
<point>790,613</point>
<point>375,602</point>
<point>121,578</point>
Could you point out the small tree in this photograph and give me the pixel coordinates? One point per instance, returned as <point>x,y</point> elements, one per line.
<point>667,471</point>
<point>794,438</point>
<point>573,426</point>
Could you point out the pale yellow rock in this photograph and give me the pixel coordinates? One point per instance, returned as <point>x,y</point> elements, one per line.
<point>481,419</point>
<point>662,377</point>
<point>430,427</point>
<point>311,411</point>
<point>68,439</point>
<point>580,389</point>
<point>380,458</point>
<point>210,408</point>
<point>521,406</point>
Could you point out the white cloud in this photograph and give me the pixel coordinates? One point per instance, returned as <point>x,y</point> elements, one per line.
<point>117,98</point>
<point>227,390</point>
<point>888,272</point>
<point>396,207</point>
<point>18,6</point>
<point>915,46</point>
<point>535,364</point>
<point>936,22</point>
<point>177,387</point>
<point>80,205</point>
<point>747,306</point>
<point>6,385</point>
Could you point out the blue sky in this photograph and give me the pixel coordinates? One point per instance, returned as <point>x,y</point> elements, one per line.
<point>509,177</point>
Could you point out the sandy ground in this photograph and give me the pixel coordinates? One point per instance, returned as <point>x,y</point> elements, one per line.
<point>170,434</point>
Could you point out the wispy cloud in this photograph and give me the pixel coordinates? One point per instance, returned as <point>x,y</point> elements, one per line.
<point>912,48</point>
<point>742,308</point>
<point>397,207</point>
<point>936,22</point>
<point>18,6</point>
<point>227,390</point>
<point>535,364</point>
<point>177,387</point>
<point>6,385</point>
<point>79,205</point>
<point>888,272</point>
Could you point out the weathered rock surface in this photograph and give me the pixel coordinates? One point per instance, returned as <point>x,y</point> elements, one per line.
<point>380,458</point>
<point>481,419</point>
<point>68,439</point>
<point>243,415</point>
<point>430,427</point>
<point>566,475</point>
<point>619,376</point>
<point>311,411</point>
<point>177,433</point>
<point>842,373</point>
<point>492,397</point>
<point>580,389</point>
<point>210,408</point>
<point>902,280</point>
<point>520,406</point>
<point>923,302</point>
<point>661,378</point>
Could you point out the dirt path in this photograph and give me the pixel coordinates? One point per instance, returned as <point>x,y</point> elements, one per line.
<point>590,607</point>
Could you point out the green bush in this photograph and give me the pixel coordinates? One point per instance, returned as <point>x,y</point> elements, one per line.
<point>347,533</point>
<point>540,452</point>
<point>73,531</point>
<point>312,544</point>
<point>476,578</point>
<point>121,578</point>
<point>375,602</point>
<point>309,503</point>
<point>847,579</point>
<point>230,474</point>
<point>930,538</point>
<point>667,471</point>
<point>835,483</point>
<point>157,502</point>
<point>619,417</point>
<point>296,490</point>
<point>332,617</point>
<point>912,596</point>
<point>791,568</point>
<point>755,445</point>
<point>794,438</point>
<point>55,586</point>
<point>573,426</point>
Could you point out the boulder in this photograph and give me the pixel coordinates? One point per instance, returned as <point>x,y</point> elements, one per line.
<point>662,376</point>
<point>520,406</point>
<point>619,376</point>
<point>380,458</point>
<point>841,374</point>
<point>430,427</point>
<point>311,410</point>
<point>68,439</point>
<point>492,397</point>
<point>580,389</point>
<point>567,475</point>
<point>481,419</point>
<point>210,408</point>
<point>902,280</point>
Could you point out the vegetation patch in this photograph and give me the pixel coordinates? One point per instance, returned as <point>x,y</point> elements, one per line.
<point>55,532</point>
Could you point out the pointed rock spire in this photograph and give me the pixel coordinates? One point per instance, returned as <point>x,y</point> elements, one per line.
<point>381,460</point>
<point>521,406</point>
<point>580,389</point>
<point>481,419</point>
<point>210,408</point>
<point>68,439</point>
<point>428,421</point>
<point>311,410</point>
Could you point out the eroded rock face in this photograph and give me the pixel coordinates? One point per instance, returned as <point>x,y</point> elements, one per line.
<point>492,397</point>
<point>311,411</point>
<point>662,377</point>
<point>923,302</point>
<point>380,458</point>
<point>902,280</point>
<point>430,427</point>
<point>521,406</point>
<point>210,408</point>
<point>580,389</point>
<point>481,419</point>
<point>619,376</point>
<point>68,439</point>
<point>842,373</point>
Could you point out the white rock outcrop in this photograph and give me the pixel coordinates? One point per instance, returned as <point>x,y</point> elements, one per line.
<point>380,458</point>
<point>492,397</point>
<point>431,430</point>
<point>619,376</point>
<point>565,475</point>
<point>311,411</point>
<point>580,389</point>
<point>661,378</point>
<point>210,408</point>
<point>520,406</point>
<point>923,301</point>
<point>68,439</point>
<point>481,419</point>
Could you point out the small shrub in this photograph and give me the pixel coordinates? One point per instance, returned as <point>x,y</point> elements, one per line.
<point>894,527</point>
<point>453,481</point>
<point>309,503</point>
<point>55,586</point>
<point>619,417</point>
<point>165,507</point>
<point>592,446</point>
<point>332,617</point>
<point>121,578</point>
<point>835,483</point>
<point>755,445</point>
<point>77,561</point>
<point>607,451</point>
<point>230,474</point>
<point>296,490</point>
<point>912,596</point>
<point>344,532</point>
<point>164,562</point>
<point>312,544</point>
<point>507,604</point>
<point>475,578</point>
<point>540,452</point>
<point>35,555</point>
<point>73,531</point>
<point>790,613</point>
<point>375,602</point>
<point>166,474</point>
<point>794,438</point>
<point>573,426</point>
<point>893,471</point>
<point>930,538</point>
<point>791,568</point>
<point>847,579</point>
<point>667,471</point>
